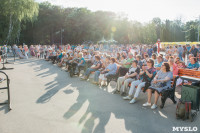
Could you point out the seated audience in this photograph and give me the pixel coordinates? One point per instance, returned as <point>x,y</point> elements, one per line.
<point>159,64</point>
<point>193,64</point>
<point>130,76</point>
<point>96,65</point>
<point>161,81</point>
<point>146,75</point>
<point>111,69</point>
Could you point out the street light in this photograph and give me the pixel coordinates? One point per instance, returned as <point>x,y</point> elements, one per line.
<point>198,30</point>
<point>61,30</point>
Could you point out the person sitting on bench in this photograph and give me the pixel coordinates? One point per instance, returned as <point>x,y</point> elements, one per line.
<point>161,81</point>
<point>97,64</point>
<point>147,74</point>
<point>130,76</point>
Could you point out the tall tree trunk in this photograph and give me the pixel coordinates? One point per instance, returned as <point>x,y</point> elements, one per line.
<point>18,31</point>
<point>10,28</point>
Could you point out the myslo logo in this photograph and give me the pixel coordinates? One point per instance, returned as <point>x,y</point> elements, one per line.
<point>184,129</point>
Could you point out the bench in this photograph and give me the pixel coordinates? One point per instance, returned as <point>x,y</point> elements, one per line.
<point>189,72</point>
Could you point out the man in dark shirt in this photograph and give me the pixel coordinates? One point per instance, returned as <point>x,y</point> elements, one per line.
<point>194,51</point>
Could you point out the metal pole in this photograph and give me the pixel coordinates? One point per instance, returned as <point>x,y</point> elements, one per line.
<point>61,35</point>
<point>198,30</point>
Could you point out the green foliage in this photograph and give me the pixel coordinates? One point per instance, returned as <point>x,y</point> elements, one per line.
<point>44,24</point>
<point>14,12</point>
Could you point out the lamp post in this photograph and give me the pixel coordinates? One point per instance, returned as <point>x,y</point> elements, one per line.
<point>198,30</point>
<point>61,30</point>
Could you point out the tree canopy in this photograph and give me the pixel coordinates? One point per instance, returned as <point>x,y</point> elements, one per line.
<point>25,21</point>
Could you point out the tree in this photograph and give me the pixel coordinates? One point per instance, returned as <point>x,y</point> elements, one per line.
<point>16,11</point>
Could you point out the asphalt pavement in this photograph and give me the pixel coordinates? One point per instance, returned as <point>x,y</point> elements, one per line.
<point>45,99</point>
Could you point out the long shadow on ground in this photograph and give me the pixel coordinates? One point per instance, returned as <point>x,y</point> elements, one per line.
<point>103,105</point>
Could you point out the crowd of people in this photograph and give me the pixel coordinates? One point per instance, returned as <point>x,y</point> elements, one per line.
<point>139,65</point>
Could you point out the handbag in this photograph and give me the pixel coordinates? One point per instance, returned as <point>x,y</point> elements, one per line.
<point>183,110</point>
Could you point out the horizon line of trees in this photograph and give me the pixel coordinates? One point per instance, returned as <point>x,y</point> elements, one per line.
<point>25,21</point>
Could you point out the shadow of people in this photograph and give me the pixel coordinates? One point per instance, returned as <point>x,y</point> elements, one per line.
<point>103,109</point>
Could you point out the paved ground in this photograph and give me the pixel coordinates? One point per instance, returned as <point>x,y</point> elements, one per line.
<point>46,100</point>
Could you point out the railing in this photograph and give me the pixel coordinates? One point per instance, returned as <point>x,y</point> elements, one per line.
<point>8,90</point>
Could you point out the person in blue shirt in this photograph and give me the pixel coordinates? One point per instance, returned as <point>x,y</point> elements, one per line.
<point>111,69</point>
<point>193,63</point>
<point>60,56</point>
<point>150,51</point>
<point>81,63</point>
<point>138,58</point>
<point>180,52</point>
<point>159,63</point>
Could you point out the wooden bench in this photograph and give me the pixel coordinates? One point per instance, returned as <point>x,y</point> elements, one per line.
<point>189,72</point>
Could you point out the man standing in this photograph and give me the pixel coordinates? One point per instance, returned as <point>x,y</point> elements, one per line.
<point>188,49</point>
<point>194,51</point>
<point>180,52</point>
<point>155,49</point>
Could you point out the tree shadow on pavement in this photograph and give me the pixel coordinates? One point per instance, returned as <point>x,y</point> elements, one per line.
<point>103,107</point>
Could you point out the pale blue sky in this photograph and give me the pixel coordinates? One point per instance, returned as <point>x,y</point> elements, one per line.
<point>140,10</point>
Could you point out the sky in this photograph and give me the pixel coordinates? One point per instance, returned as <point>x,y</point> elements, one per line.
<point>140,10</point>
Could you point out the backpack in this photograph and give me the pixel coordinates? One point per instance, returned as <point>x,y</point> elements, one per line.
<point>183,110</point>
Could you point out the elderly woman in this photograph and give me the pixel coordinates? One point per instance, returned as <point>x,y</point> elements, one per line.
<point>124,69</point>
<point>159,63</point>
<point>154,58</point>
<point>65,57</point>
<point>161,81</point>
<point>111,69</point>
<point>173,66</point>
<point>193,63</point>
<point>97,64</point>
<point>71,59</point>
<point>99,72</point>
<point>130,76</point>
<point>81,63</point>
<point>147,74</point>
<point>78,64</point>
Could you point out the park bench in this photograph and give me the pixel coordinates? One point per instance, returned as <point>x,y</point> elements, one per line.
<point>189,73</point>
